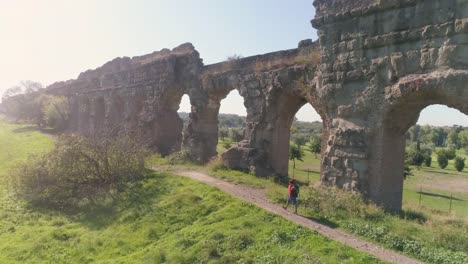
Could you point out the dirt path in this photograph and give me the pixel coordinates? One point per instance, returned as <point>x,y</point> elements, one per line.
<point>259,198</point>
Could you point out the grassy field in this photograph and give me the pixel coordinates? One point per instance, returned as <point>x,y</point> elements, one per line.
<point>165,219</point>
<point>429,224</point>
<point>433,185</point>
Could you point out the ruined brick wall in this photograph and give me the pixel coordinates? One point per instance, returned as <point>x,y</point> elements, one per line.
<point>139,95</point>
<point>377,65</point>
<point>142,95</point>
<point>384,61</point>
<point>274,86</point>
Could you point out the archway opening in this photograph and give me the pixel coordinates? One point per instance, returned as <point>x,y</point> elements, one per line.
<point>306,141</point>
<point>183,112</point>
<point>436,154</point>
<point>232,120</point>
<point>387,164</point>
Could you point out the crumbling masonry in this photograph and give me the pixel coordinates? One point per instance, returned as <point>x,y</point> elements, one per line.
<point>376,65</point>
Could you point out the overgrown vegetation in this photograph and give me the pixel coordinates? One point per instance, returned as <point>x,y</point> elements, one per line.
<point>79,171</point>
<point>179,157</point>
<point>161,219</point>
<point>459,163</point>
<point>431,239</point>
<point>27,103</point>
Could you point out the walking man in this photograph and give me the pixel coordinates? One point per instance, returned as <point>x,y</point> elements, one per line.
<point>293,192</point>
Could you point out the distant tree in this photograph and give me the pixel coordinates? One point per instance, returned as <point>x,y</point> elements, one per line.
<point>295,153</point>
<point>12,91</point>
<point>459,164</point>
<point>437,136</point>
<point>234,57</point>
<point>293,130</point>
<point>56,112</point>
<point>415,157</point>
<point>452,139</point>
<point>31,86</point>
<point>449,153</point>
<point>300,140</point>
<point>427,160</point>
<point>408,171</point>
<point>231,121</point>
<point>414,133</point>
<point>315,145</point>
<point>227,145</point>
<point>427,154</point>
<point>27,107</point>
<point>442,160</point>
<point>235,134</point>
<point>463,138</point>
<point>223,133</point>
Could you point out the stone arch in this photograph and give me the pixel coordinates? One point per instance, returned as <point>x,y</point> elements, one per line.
<point>201,135</point>
<point>287,107</point>
<point>178,124</point>
<point>166,125</point>
<point>282,116</point>
<point>405,101</point>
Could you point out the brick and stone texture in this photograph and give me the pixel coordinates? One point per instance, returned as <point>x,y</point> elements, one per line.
<point>382,62</point>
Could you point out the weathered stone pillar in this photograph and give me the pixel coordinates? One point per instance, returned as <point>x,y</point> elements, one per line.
<point>201,134</point>
<point>382,62</point>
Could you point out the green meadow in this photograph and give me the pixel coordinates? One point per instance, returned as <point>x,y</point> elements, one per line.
<point>162,219</point>
<point>419,231</point>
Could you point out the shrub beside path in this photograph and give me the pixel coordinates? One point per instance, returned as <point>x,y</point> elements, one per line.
<point>258,197</point>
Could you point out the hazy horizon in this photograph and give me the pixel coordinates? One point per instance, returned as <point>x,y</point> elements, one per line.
<point>55,40</point>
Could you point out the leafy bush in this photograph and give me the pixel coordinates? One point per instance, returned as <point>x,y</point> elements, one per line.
<point>79,171</point>
<point>235,134</point>
<point>234,57</point>
<point>299,140</point>
<point>227,145</point>
<point>216,164</point>
<point>415,157</point>
<point>315,145</point>
<point>56,112</point>
<point>442,160</point>
<point>408,171</point>
<point>459,164</point>
<point>410,246</point>
<point>333,203</point>
<point>180,157</point>
<point>427,160</point>
<point>295,153</point>
<point>449,153</point>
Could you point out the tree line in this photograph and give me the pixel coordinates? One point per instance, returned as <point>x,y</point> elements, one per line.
<point>445,142</point>
<point>28,103</point>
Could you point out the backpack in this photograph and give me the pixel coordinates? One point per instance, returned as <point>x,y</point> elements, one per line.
<point>295,190</point>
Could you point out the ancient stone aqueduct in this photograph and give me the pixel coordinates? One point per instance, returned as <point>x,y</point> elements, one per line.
<point>376,65</point>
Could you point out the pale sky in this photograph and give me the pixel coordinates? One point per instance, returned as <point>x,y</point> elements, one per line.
<point>55,40</point>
